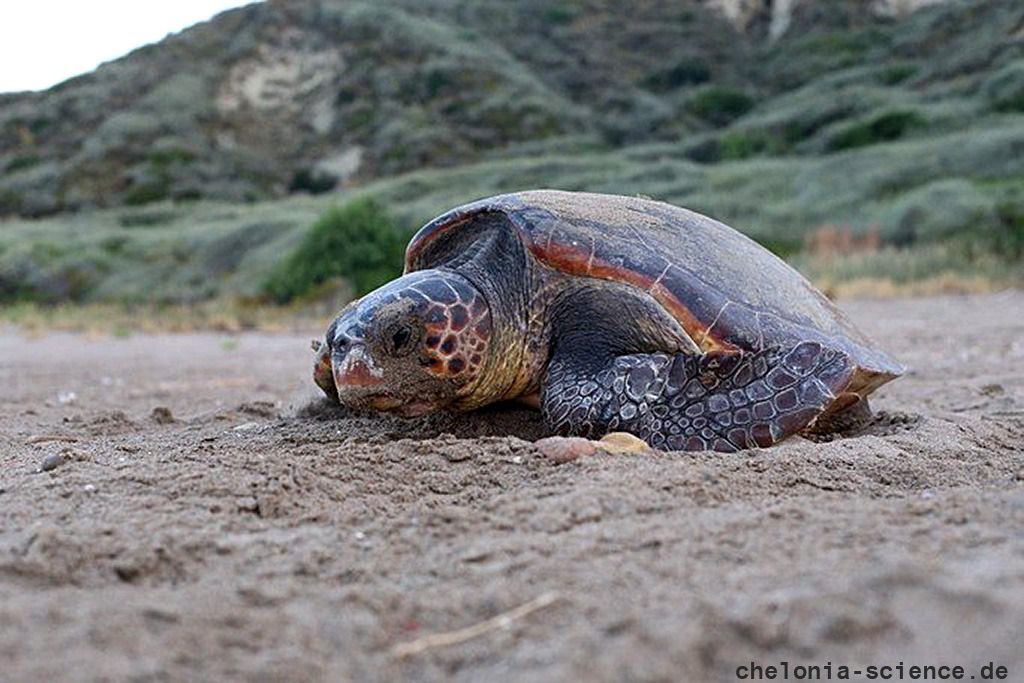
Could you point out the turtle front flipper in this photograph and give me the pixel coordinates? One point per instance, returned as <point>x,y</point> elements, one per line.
<point>723,401</point>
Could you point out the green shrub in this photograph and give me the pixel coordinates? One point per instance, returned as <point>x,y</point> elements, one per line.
<point>10,202</point>
<point>22,162</point>
<point>114,244</point>
<point>806,124</point>
<point>1004,90</point>
<point>313,181</point>
<point>704,152</point>
<point>146,219</point>
<point>358,242</point>
<point>1008,236</point>
<point>51,273</point>
<point>743,144</point>
<point>947,209</point>
<point>782,247</point>
<point>884,127</point>
<point>38,125</point>
<point>559,15</point>
<point>158,179</point>
<point>720,105</point>
<point>146,193</point>
<point>847,44</point>
<point>166,157</point>
<point>687,71</point>
<point>897,73</point>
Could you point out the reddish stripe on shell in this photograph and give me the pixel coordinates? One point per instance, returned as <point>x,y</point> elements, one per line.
<point>575,261</point>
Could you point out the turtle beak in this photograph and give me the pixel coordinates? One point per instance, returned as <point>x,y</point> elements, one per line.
<point>322,373</point>
<point>355,369</point>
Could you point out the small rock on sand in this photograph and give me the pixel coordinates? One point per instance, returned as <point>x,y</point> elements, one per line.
<point>622,442</point>
<point>563,449</point>
<point>51,462</point>
<point>162,415</point>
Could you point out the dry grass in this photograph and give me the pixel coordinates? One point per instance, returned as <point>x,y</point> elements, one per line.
<point>120,320</point>
<point>830,241</point>
<point>886,288</point>
<point>233,317</point>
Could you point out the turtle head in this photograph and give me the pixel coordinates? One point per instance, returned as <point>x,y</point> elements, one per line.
<point>415,346</point>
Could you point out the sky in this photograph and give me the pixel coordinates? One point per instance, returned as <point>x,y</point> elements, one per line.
<point>44,42</point>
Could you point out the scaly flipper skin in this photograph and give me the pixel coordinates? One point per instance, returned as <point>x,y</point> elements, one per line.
<point>723,401</point>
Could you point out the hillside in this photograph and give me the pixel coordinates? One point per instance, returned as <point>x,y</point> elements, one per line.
<point>287,96</point>
<point>780,118</point>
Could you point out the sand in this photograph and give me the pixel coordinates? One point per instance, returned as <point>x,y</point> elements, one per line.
<point>204,516</point>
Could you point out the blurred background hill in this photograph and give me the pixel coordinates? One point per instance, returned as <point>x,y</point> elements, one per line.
<point>878,145</point>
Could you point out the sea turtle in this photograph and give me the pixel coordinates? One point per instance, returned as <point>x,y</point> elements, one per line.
<point>609,313</point>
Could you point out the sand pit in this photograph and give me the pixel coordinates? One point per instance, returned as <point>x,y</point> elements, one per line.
<point>204,516</point>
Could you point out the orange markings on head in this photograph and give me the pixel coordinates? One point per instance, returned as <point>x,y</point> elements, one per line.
<point>459,317</point>
<point>456,337</point>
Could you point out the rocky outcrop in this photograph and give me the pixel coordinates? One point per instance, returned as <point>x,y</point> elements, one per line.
<point>773,17</point>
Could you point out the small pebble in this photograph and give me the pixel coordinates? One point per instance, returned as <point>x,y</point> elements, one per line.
<point>563,449</point>
<point>162,415</point>
<point>622,442</point>
<point>993,389</point>
<point>51,462</point>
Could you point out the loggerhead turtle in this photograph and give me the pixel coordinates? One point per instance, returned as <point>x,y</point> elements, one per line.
<point>612,314</point>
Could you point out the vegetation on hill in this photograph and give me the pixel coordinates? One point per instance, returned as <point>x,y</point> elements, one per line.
<point>357,243</point>
<point>303,96</point>
<point>903,139</point>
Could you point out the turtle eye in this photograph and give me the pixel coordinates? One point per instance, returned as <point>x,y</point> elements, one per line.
<point>400,340</point>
